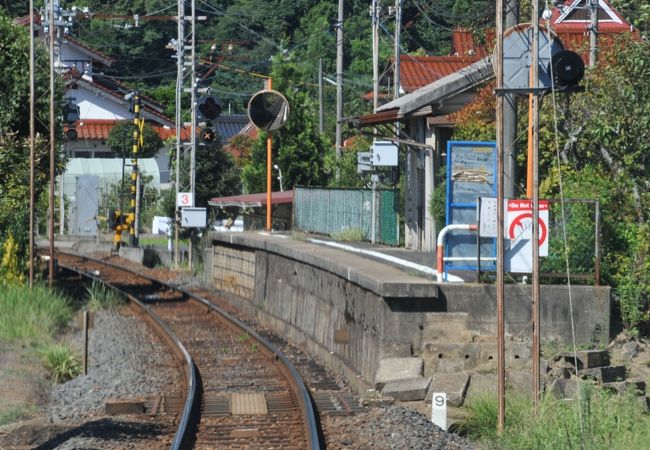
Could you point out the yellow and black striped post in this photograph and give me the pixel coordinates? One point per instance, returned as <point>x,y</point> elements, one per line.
<point>138,143</point>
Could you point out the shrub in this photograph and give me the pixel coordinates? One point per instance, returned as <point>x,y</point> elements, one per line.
<point>61,362</point>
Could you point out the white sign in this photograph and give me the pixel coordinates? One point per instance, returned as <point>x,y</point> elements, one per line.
<point>384,153</point>
<point>488,214</point>
<point>184,199</point>
<point>518,234</point>
<point>439,409</point>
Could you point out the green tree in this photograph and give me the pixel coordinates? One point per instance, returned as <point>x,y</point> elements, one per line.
<point>120,140</point>
<point>298,147</point>
<point>14,133</point>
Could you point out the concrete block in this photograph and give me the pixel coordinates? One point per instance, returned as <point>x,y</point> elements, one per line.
<point>564,388</point>
<point>407,390</point>
<point>604,374</point>
<point>116,407</point>
<point>132,254</point>
<point>621,387</point>
<point>451,358</point>
<point>453,384</point>
<point>588,359</point>
<point>480,386</point>
<point>519,382</point>
<point>392,369</point>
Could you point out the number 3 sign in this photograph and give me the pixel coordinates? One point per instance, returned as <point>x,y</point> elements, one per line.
<point>184,199</point>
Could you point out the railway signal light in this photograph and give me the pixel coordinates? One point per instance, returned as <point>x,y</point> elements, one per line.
<point>567,68</point>
<point>208,108</point>
<point>208,135</point>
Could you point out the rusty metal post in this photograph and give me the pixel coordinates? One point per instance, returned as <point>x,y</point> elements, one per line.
<point>597,243</point>
<point>535,351</point>
<point>500,289</point>
<point>85,332</point>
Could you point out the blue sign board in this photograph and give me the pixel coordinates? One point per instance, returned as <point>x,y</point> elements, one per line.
<point>471,173</point>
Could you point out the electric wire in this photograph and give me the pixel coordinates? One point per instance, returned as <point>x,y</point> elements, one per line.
<point>564,222</point>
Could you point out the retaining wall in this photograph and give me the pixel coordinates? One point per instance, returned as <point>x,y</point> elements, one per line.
<point>352,311</point>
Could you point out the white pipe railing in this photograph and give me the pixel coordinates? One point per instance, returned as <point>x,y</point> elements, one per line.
<point>440,244</point>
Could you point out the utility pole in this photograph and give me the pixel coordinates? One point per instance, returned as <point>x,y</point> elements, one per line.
<point>52,30</point>
<point>500,289</point>
<point>321,111</point>
<point>32,136</point>
<point>339,81</point>
<point>193,131</point>
<point>593,33</point>
<point>510,115</point>
<point>398,37</point>
<point>193,102</point>
<point>535,226</point>
<point>180,52</point>
<point>375,55</point>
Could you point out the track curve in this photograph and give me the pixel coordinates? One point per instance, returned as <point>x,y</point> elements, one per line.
<point>250,393</point>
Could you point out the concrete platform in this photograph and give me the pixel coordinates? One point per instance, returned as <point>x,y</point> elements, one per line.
<point>354,310</point>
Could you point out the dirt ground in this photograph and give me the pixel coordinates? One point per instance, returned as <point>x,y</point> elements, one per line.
<point>24,387</point>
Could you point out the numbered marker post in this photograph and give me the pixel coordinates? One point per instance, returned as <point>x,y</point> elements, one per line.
<point>184,199</point>
<point>439,409</point>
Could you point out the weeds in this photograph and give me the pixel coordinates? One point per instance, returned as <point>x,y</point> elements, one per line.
<point>243,337</point>
<point>61,362</point>
<point>609,421</point>
<point>33,315</point>
<point>101,297</point>
<point>349,235</point>
<point>17,413</point>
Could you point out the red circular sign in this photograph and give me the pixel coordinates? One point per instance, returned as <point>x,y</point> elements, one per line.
<point>518,222</point>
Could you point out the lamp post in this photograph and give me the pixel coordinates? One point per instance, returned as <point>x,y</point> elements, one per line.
<point>275,166</point>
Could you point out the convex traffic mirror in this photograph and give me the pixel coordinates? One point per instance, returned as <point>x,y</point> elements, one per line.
<point>268,110</point>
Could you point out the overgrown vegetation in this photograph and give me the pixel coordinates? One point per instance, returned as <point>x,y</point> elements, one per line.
<point>609,421</point>
<point>32,315</point>
<point>101,297</point>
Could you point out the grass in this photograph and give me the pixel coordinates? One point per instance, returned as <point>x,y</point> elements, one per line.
<point>349,235</point>
<point>610,421</point>
<point>32,316</point>
<point>61,362</point>
<point>159,241</point>
<point>101,297</point>
<point>17,413</point>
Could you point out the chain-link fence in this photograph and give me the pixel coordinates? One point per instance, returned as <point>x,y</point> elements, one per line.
<point>573,233</point>
<point>580,223</point>
<point>328,211</point>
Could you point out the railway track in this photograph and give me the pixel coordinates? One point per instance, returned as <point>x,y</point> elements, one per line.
<point>241,391</point>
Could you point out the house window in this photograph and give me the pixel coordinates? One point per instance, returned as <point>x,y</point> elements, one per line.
<point>82,154</point>
<point>104,155</point>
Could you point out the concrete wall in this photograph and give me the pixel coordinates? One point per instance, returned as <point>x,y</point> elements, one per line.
<point>352,311</point>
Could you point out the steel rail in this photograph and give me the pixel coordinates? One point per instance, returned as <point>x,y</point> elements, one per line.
<point>172,340</point>
<point>282,362</point>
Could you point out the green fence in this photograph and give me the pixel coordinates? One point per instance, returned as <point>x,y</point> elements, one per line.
<point>327,211</point>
